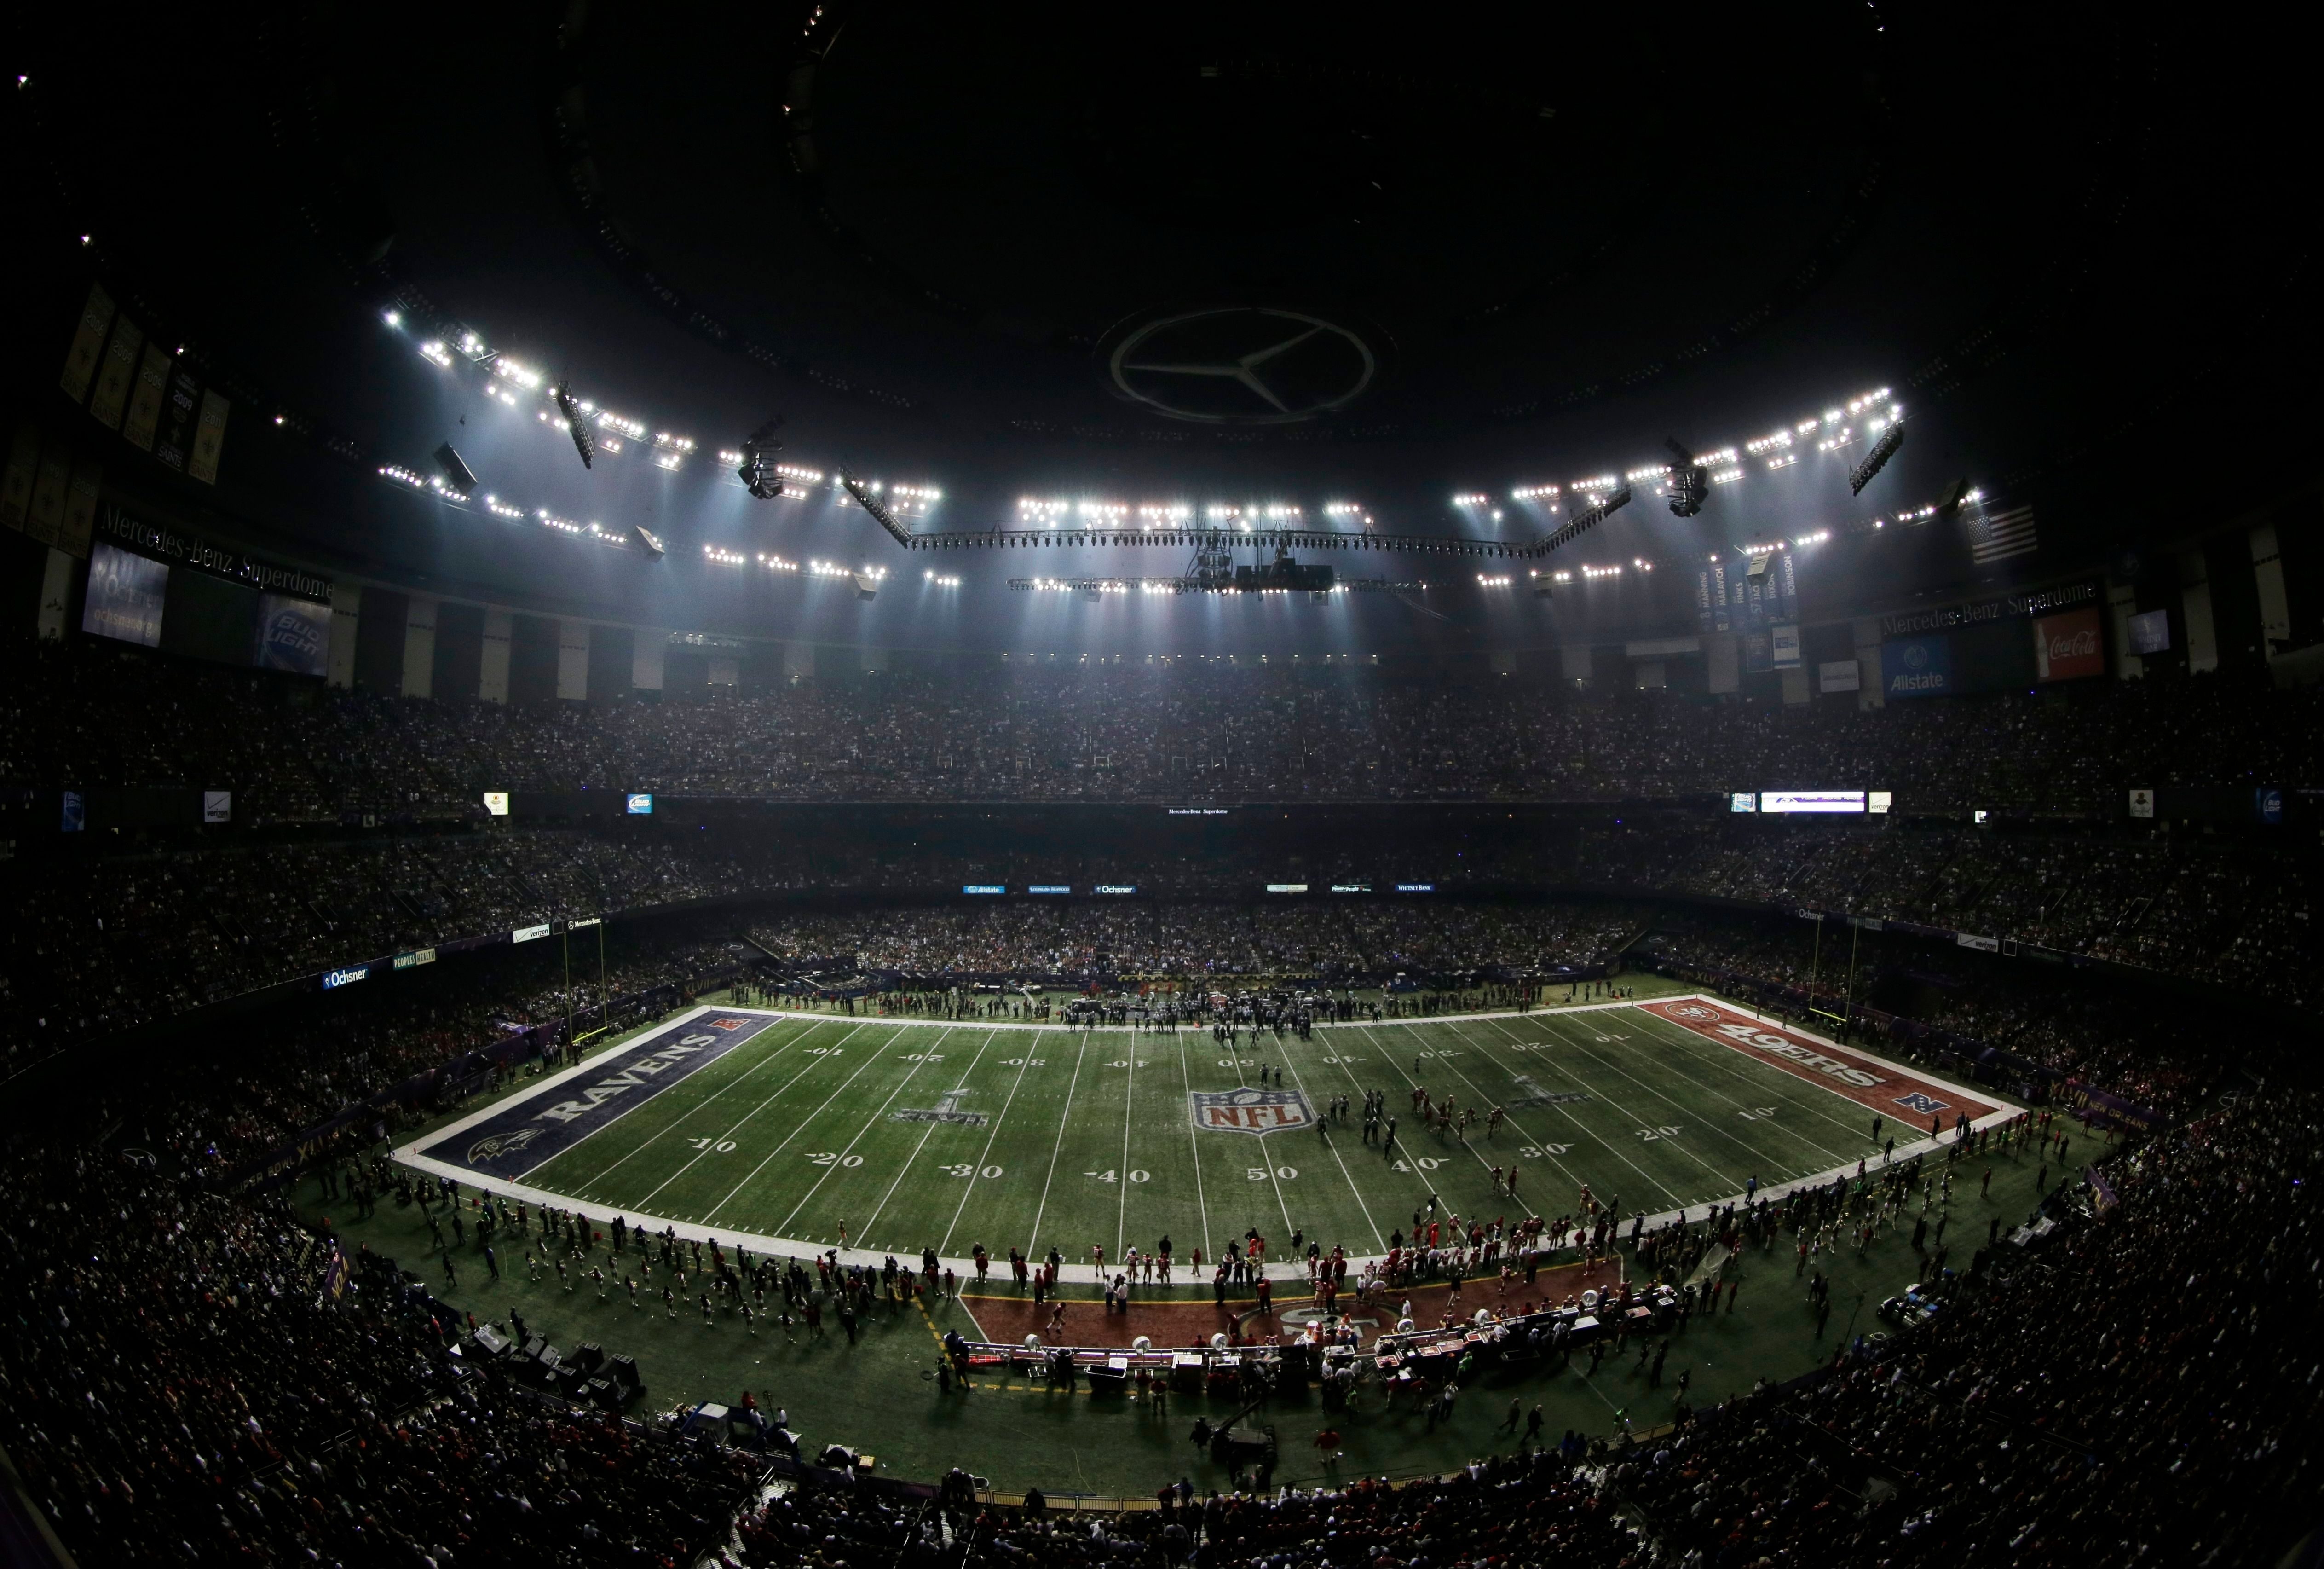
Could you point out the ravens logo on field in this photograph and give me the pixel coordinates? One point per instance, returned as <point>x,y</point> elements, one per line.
<point>492,1146</point>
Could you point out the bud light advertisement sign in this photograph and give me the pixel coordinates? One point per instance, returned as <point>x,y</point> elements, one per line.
<point>1916,667</point>
<point>293,634</point>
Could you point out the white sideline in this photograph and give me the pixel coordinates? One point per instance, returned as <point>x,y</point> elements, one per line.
<point>408,1155</point>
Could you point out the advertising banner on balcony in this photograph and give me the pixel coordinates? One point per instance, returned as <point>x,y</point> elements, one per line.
<point>1916,667</point>
<point>2069,647</point>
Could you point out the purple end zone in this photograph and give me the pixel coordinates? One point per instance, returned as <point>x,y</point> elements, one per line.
<point>533,1129</point>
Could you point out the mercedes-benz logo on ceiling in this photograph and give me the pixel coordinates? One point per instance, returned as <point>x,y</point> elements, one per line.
<point>1242,365</point>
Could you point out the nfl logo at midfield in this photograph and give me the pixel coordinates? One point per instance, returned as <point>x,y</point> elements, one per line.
<point>1248,1110</point>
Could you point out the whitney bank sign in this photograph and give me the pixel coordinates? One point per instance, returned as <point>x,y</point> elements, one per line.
<point>2041,602</point>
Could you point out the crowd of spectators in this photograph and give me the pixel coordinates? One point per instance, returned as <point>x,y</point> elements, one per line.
<point>2131,1377</point>
<point>2217,908</point>
<point>1348,940</point>
<point>87,714</point>
<point>2128,1043</point>
<point>2126,1387</point>
<point>127,931</point>
<point>300,1065</point>
<point>181,1385</point>
<point>101,944</point>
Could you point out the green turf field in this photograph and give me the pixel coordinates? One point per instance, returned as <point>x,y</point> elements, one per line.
<point>1078,1139</point>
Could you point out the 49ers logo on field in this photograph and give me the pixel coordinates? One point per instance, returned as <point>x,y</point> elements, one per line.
<point>1774,1045</point>
<point>1695,1011</point>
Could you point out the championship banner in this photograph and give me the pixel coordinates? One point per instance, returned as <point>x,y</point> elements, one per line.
<point>1784,642</point>
<point>176,437</point>
<point>1703,598</point>
<point>16,480</point>
<point>1719,595</point>
<point>115,373</point>
<point>209,438</point>
<point>81,508</point>
<point>147,396</point>
<point>46,515</point>
<point>2069,647</point>
<point>87,343</point>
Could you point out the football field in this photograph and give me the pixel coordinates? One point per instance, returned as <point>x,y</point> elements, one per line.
<point>782,1129</point>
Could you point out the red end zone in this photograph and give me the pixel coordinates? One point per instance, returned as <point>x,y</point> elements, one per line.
<point>1895,1093</point>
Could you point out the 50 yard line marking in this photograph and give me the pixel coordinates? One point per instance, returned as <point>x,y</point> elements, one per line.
<point>1193,1149</point>
<point>1301,1080</point>
<point>1079,1052</point>
<point>1280,1203</point>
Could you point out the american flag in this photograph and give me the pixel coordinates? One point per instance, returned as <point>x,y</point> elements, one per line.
<point>1996,536</point>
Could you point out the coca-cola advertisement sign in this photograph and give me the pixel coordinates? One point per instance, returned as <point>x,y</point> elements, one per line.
<point>2068,647</point>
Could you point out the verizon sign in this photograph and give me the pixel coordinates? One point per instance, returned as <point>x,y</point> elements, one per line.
<point>2069,647</point>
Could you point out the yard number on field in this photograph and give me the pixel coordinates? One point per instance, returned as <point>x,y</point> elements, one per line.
<point>828,1157</point>
<point>1108,1175</point>
<point>720,1146</point>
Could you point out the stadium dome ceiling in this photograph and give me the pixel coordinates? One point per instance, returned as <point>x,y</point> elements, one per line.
<point>1410,250</point>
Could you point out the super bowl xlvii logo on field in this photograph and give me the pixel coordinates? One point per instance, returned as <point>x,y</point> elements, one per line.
<point>1248,1110</point>
<point>492,1146</point>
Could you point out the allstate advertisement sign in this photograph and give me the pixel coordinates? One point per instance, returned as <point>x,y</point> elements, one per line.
<point>1916,667</point>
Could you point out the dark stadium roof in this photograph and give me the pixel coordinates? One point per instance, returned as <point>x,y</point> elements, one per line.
<point>1004,252</point>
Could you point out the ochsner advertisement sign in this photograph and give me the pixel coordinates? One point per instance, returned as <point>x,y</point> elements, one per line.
<point>2068,647</point>
<point>1916,667</point>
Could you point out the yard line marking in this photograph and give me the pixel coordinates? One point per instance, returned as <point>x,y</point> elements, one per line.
<point>761,1106</point>
<point>901,1084</point>
<point>1122,1210</point>
<point>925,1134</point>
<point>1193,1149</point>
<point>1721,1095</point>
<point>606,1171</point>
<point>1409,1170</point>
<point>1471,1148</point>
<point>1614,1149</point>
<point>1811,1097</point>
<point>974,1176</point>
<point>1236,1058</point>
<point>1079,1052</point>
<point>1301,1081</point>
<point>1682,1149</point>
